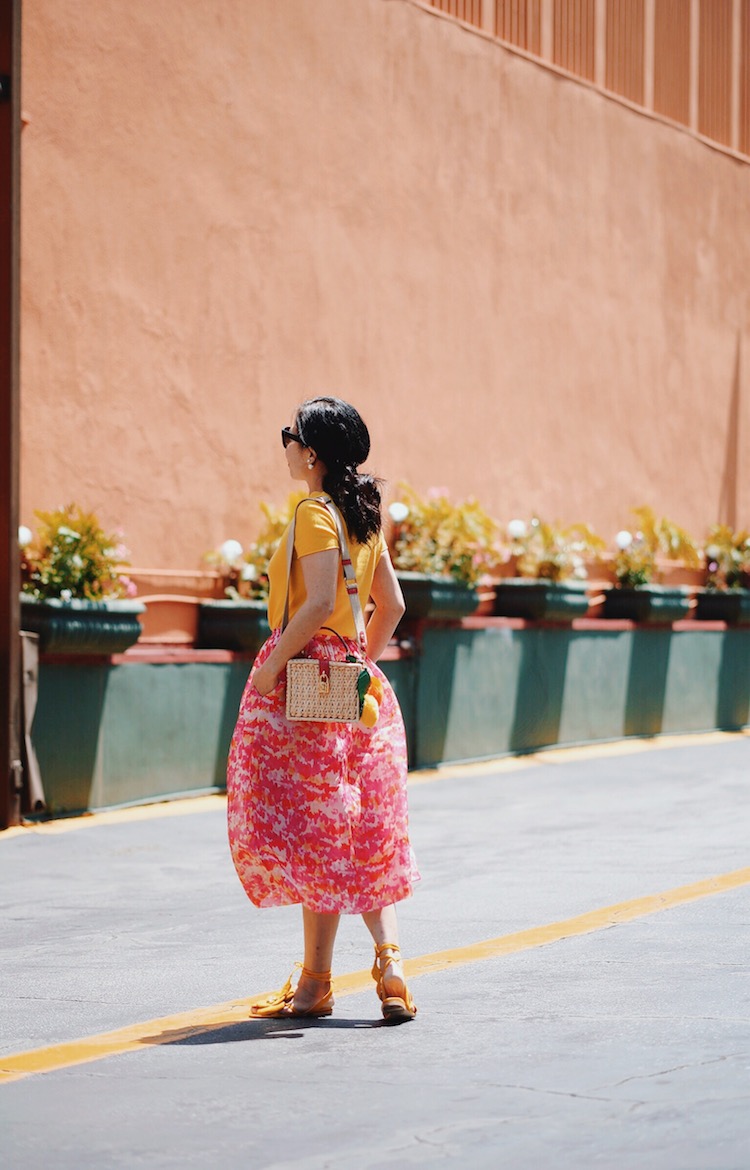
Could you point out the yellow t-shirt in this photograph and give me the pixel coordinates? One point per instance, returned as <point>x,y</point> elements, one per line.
<point>315,531</point>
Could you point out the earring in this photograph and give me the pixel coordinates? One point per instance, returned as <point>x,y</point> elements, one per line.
<point>311,463</point>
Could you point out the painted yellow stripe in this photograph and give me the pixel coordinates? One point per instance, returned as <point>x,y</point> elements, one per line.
<point>566,755</point>
<point>178,807</point>
<point>169,1029</point>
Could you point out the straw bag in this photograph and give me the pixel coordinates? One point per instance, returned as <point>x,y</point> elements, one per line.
<point>322,689</point>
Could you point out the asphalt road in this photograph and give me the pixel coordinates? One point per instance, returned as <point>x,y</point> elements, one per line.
<point>618,1039</point>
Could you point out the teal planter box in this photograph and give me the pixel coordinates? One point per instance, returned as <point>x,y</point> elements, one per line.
<point>724,605</point>
<point>489,692</point>
<point>650,604</point>
<point>233,625</point>
<point>540,600</point>
<point>109,734</point>
<point>117,732</point>
<point>82,627</point>
<point>437,598</point>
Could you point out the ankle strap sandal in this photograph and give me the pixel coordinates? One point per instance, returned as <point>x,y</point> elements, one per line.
<point>281,1004</point>
<point>397,1004</point>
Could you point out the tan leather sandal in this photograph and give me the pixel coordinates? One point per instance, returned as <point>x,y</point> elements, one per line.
<point>397,1004</point>
<point>281,1004</point>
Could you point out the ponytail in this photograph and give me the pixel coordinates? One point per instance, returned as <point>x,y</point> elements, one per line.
<point>338,435</point>
<point>358,499</point>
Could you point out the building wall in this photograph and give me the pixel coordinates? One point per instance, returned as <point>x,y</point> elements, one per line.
<point>535,294</point>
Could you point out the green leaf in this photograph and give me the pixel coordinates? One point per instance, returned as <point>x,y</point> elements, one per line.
<point>363,686</point>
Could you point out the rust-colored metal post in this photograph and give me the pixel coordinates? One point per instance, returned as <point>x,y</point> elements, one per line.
<point>10,668</point>
<point>649,41</point>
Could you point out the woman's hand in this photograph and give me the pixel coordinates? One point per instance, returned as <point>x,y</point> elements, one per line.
<point>265,678</point>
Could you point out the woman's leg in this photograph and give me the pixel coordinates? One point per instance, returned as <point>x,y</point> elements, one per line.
<point>320,935</point>
<point>383,926</point>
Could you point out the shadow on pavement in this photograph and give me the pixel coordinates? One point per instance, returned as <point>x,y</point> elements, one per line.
<point>254,1030</point>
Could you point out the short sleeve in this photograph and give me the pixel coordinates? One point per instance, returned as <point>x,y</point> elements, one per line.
<point>315,529</point>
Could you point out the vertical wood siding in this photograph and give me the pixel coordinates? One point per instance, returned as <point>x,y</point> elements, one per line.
<point>715,71</point>
<point>520,22</point>
<point>672,59</point>
<point>468,10</point>
<point>574,38</point>
<point>625,48</point>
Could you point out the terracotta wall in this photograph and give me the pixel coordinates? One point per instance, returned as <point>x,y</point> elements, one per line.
<point>534,293</point>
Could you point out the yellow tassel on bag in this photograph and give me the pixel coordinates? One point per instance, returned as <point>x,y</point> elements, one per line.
<point>370,711</point>
<point>371,702</point>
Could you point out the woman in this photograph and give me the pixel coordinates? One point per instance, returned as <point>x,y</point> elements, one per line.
<point>317,811</point>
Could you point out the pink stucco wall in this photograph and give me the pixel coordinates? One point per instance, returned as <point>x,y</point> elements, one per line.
<point>534,293</point>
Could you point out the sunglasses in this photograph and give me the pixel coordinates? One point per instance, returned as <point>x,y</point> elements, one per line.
<point>288,437</point>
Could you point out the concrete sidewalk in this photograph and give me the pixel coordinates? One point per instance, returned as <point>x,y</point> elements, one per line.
<point>626,1046</point>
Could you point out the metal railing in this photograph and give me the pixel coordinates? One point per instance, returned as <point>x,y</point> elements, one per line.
<point>688,60</point>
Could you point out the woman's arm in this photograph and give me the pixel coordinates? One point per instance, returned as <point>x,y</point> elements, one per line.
<point>389,607</point>
<point>320,573</point>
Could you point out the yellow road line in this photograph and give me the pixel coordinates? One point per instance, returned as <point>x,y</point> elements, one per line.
<point>169,1029</point>
<point>184,806</point>
<point>585,751</point>
<point>178,807</point>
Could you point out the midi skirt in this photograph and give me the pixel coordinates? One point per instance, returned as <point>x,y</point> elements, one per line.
<point>317,812</point>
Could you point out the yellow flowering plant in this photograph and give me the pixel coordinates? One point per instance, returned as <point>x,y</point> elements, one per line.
<point>727,558</point>
<point>433,535</point>
<point>552,552</point>
<point>72,558</point>
<point>245,572</point>
<point>636,562</point>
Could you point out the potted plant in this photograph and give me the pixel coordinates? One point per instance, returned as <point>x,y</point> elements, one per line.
<point>726,595</point>
<point>636,595</point>
<point>551,568</point>
<point>73,593</point>
<point>440,551</point>
<point>239,621</point>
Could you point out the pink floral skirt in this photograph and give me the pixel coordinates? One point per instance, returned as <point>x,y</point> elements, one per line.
<point>317,812</point>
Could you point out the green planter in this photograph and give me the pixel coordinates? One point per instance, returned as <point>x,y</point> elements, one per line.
<point>438,598</point>
<point>233,625</point>
<point>541,600</point>
<point>82,627</point>
<point>724,605</point>
<point>650,604</point>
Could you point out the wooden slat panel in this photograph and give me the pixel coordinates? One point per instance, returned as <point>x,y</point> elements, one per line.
<point>672,59</point>
<point>573,36</point>
<point>715,70</point>
<point>468,10</point>
<point>520,22</point>
<point>625,44</point>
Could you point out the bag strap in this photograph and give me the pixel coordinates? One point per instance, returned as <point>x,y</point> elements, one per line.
<point>350,577</point>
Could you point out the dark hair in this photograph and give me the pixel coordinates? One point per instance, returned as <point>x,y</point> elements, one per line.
<point>338,436</point>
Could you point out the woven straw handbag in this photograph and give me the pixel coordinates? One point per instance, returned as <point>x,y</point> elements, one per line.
<point>320,689</point>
